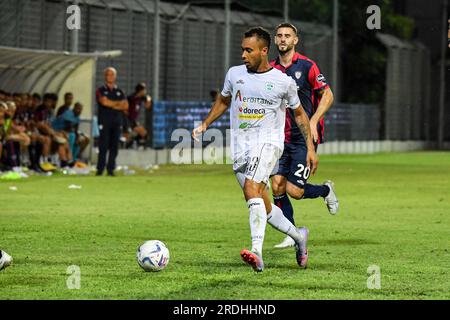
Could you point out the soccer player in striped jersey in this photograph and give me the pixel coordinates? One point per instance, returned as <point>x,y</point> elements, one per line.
<point>316,98</point>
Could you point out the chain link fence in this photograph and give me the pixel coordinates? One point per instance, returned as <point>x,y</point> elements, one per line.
<point>407,112</point>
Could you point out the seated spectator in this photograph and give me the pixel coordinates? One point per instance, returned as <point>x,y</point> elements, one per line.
<point>3,109</point>
<point>17,99</point>
<point>133,131</point>
<point>40,147</point>
<point>43,117</point>
<point>68,124</point>
<point>68,100</point>
<point>26,99</point>
<point>16,130</point>
<point>36,100</point>
<point>16,139</point>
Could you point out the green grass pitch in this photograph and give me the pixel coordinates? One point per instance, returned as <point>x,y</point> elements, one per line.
<point>394,213</point>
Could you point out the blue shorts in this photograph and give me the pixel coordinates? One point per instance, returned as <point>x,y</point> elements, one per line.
<point>292,165</point>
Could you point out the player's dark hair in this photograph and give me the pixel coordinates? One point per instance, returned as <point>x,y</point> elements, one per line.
<point>68,94</point>
<point>37,96</point>
<point>50,96</point>
<point>139,87</point>
<point>287,25</point>
<point>260,33</point>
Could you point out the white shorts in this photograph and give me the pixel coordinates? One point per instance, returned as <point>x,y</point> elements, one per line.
<point>259,162</point>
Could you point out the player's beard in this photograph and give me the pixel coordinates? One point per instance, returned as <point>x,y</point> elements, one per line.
<point>285,51</point>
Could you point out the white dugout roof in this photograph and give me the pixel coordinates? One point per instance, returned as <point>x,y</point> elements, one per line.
<point>29,71</point>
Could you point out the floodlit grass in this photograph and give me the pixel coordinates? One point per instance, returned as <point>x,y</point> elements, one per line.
<point>395,214</point>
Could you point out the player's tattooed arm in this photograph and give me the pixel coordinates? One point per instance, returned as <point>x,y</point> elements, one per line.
<point>302,121</point>
<point>220,106</point>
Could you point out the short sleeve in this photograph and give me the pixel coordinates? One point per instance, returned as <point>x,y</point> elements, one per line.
<point>66,115</point>
<point>69,116</point>
<point>227,85</point>
<point>317,79</point>
<point>293,101</point>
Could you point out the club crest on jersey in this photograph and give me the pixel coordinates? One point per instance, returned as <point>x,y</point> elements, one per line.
<point>269,86</point>
<point>240,81</point>
<point>298,74</point>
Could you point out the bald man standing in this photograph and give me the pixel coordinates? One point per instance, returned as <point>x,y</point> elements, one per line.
<point>112,102</point>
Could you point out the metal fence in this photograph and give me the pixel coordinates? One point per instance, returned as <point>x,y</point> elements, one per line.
<point>407,112</point>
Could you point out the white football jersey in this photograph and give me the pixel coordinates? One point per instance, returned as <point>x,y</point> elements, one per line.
<point>258,105</point>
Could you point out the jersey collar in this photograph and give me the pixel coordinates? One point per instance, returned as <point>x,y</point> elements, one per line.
<point>277,64</point>
<point>261,72</point>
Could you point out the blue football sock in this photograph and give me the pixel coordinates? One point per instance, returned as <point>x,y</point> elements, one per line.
<point>313,191</point>
<point>285,205</point>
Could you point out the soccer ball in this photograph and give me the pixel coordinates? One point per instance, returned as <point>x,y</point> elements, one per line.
<point>153,255</point>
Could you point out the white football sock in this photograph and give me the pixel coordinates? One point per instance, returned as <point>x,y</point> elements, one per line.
<point>277,220</point>
<point>258,221</point>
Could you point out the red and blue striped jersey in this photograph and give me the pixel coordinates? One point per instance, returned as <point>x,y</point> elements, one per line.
<point>310,82</point>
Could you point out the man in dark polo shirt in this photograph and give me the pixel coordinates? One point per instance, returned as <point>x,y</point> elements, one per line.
<point>112,102</point>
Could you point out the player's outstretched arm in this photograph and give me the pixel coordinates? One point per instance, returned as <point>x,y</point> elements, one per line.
<point>302,121</point>
<point>325,104</point>
<point>220,106</point>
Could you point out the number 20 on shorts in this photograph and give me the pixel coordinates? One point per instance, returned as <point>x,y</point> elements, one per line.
<point>302,172</point>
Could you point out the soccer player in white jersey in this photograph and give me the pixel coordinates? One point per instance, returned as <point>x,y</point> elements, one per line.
<point>258,95</point>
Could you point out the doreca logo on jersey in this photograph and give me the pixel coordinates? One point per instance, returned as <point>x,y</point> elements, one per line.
<point>251,114</point>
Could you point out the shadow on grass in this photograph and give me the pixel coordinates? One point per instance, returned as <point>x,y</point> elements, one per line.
<point>272,263</point>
